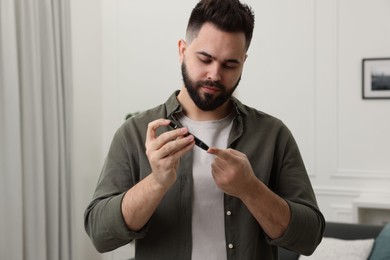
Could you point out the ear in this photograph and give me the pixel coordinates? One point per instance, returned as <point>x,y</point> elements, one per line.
<point>182,46</point>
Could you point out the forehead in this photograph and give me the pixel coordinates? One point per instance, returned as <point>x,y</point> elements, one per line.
<point>212,40</point>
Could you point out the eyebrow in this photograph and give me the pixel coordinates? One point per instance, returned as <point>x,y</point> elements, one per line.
<point>212,57</point>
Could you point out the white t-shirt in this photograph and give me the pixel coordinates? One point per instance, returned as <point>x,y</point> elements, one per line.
<point>208,226</point>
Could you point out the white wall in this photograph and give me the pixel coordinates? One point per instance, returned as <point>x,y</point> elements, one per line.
<point>304,66</point>
<point>351,141</point>
<point>87,117</point>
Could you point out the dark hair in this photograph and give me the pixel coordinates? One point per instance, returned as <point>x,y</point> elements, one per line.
<point>226,15</point>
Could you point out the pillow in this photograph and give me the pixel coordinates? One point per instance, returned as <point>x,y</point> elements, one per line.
<point>381,250</point>
<point>334,248</point>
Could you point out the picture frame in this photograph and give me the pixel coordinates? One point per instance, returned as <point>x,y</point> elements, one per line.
<point>376,78</point>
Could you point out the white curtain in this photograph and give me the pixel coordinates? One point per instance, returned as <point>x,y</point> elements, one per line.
<point>35,96</point>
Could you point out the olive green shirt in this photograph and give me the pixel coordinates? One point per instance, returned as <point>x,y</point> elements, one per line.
<point>275,159</point>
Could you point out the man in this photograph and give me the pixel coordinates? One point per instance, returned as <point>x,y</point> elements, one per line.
<point>242,198</point>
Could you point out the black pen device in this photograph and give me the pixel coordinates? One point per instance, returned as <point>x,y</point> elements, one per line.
<point>198,142</point>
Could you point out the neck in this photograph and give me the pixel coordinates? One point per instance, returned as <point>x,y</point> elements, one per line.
<point>192,111</point>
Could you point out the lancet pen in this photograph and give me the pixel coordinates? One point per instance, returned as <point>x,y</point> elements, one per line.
<point>198,142</point>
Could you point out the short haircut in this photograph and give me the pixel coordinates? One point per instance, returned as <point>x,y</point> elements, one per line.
<point>226,15</point>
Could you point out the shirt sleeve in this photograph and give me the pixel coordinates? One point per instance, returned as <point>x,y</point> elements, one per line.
<point>103,219</point>
<point>307,223</point>
<point>294,238</point>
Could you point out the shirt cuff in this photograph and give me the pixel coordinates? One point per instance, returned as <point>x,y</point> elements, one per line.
<point>304,231</point>
<point>116,223</point>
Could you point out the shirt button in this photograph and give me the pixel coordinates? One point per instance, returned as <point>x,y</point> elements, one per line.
<point>230,246</point>
<point>228,212</point>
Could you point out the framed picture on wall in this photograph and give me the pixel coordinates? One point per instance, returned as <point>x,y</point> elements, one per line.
<point>376,78</point>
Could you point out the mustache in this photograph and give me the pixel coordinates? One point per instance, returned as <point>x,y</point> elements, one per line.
<point>210,83</point>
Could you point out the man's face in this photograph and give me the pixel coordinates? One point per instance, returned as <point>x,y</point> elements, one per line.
<point>207,101</point>
<point>212,65</point>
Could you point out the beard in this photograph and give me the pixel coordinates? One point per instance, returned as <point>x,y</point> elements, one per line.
<point>207,101</point>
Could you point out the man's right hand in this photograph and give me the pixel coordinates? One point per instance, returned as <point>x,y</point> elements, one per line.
<point>164,151</point>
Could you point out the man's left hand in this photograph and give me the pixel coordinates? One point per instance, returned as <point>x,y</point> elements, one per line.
<point>232,171</point>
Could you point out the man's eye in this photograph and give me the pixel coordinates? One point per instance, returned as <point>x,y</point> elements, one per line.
<point>229,65</point>
<point>205,61</point>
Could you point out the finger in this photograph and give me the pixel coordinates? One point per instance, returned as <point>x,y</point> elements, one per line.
<point>226,154</point>
<point>214,150</point>
<point>180,152</point>
<point>167,137</point>
<point>234,152</point>
<point>175,146</point>
<point>217,165</point>
<point>223,154</point>
<point>152,128</point>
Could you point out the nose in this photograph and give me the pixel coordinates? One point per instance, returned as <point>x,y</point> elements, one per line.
<point>214,72</point>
